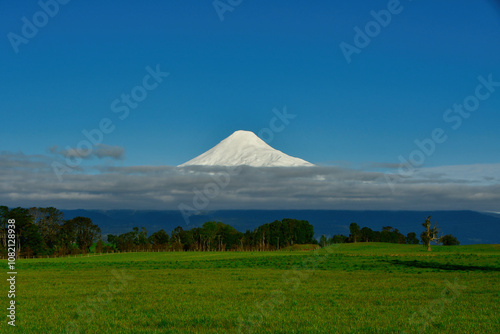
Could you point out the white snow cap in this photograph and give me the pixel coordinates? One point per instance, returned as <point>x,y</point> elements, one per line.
<point>245,148</point>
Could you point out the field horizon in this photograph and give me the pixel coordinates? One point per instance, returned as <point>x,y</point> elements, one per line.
<point>344,288</point>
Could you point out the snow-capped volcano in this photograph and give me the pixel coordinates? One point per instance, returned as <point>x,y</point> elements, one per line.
<point>245,148</point>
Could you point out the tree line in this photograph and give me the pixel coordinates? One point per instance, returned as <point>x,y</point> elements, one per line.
<point>217,236</point>
<point>392,235</point>
<point>44,231</point>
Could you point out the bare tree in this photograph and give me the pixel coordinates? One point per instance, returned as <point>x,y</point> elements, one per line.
<point>429,234</point>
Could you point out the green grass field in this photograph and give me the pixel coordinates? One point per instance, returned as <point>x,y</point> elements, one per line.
<point>349,288</point>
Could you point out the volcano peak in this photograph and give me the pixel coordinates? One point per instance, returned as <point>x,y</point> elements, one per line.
<point>245,148</point>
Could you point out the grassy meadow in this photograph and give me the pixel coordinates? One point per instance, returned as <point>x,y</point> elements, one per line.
<point>347,288</point>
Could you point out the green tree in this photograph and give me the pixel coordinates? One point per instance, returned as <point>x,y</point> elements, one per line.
<point>209,233</point>
<point>86,232</point>
<point>339,239</point>
<point>32,240</point>
<point>198,241</point>
<point>176,238</point>
<point>323,241</point>
<point>354,232</point>
<point>305,232</point>
<point>27,234</point>
<point>376,237</point>
<point>248,240</point>
<point>277,233</point>
<point>387,235</point>
<point>4,212</point>
<point>411,238</point>
<point>159,238</point>
<point>449,240</point>
<point>99,246</point>
<point>263,236</point>
<point>286,232</point>
<point>366,234</point>
<point>229,236</point>
<point>49,221</point>
<point>112,239</point>
<point>67,235</point>
<point>399,237</point>
<point>142,237</point>
<point>125,241</point>
<point>176,234</point>
<point>430,234</point>
<point>187,239</point>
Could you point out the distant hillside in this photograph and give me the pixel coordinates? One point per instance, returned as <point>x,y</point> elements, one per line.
<point>468,226</point>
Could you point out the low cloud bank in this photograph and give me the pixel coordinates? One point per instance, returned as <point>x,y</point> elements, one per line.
<point>29,180</point>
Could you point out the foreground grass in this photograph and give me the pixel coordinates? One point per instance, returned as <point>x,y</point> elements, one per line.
<point>352,288</point>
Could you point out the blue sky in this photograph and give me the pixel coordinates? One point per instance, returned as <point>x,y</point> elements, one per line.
<point>226,75</point>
